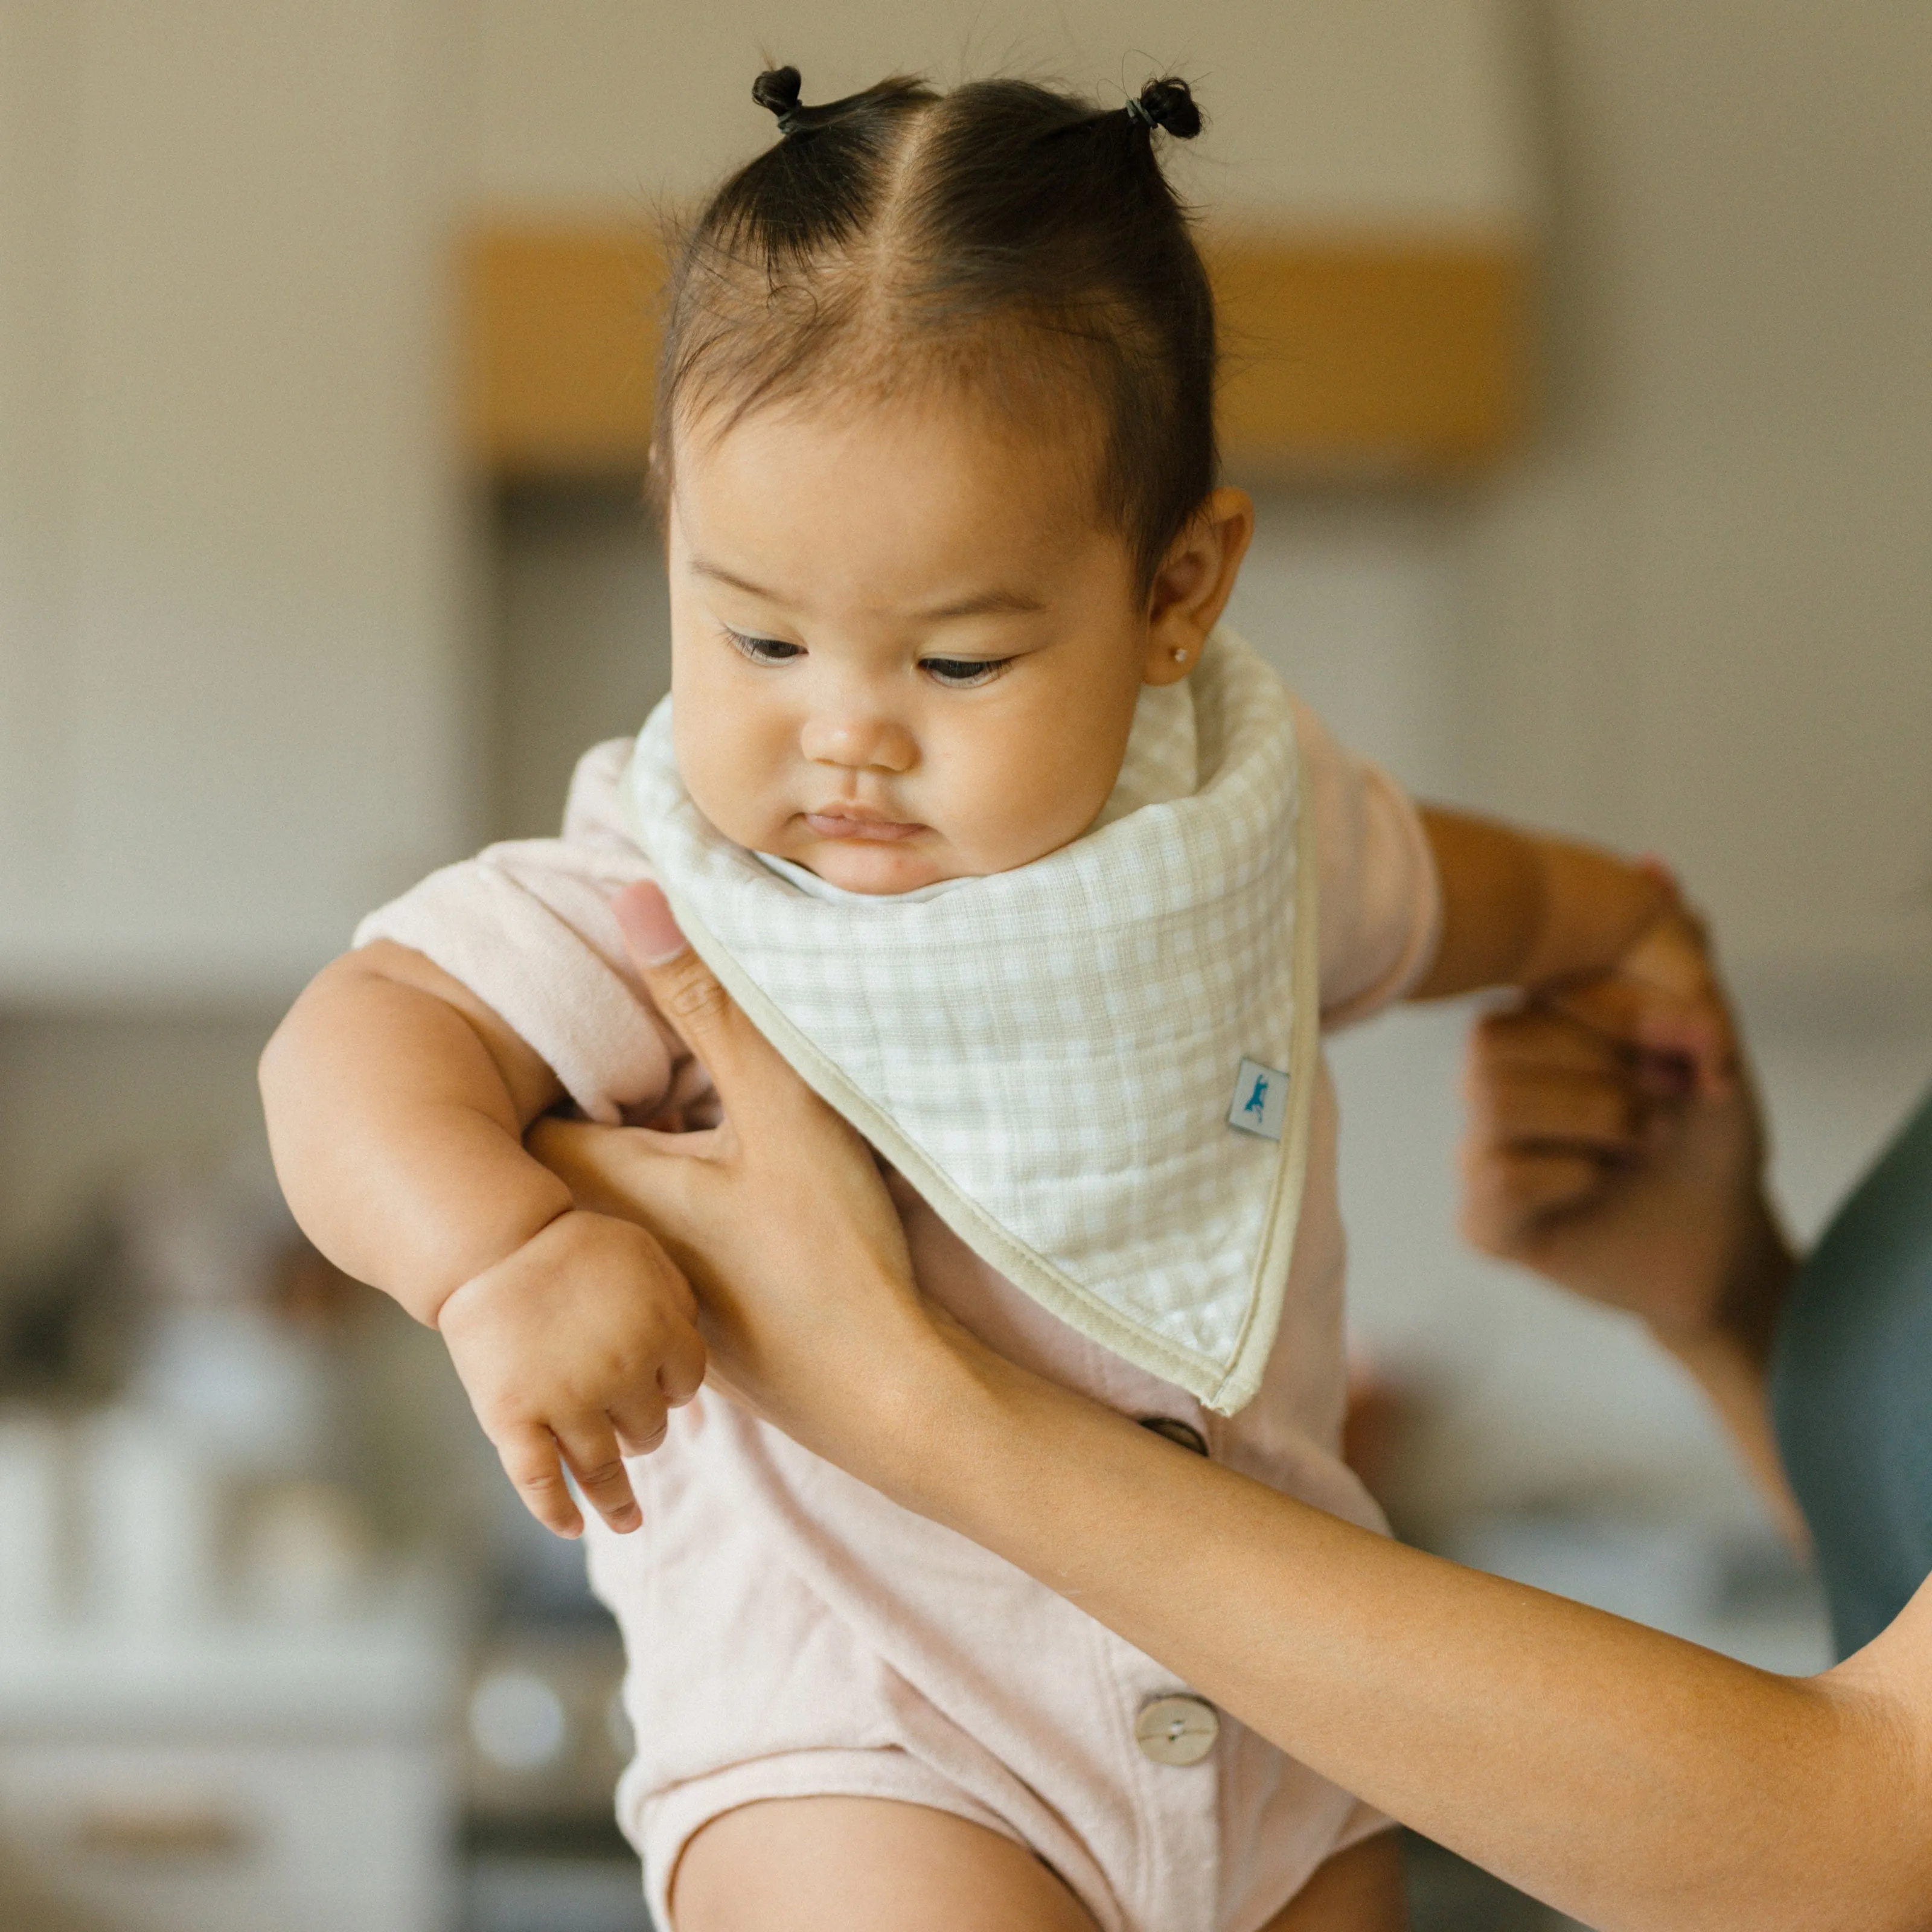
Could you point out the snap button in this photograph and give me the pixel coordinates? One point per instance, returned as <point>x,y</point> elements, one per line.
<point>1177,1730</point>
<point>1177,1431</point>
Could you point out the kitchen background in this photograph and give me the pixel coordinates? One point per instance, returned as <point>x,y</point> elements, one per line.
<point>279,629</point>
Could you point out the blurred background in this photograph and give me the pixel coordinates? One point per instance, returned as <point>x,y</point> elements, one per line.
<point>1580,371</point>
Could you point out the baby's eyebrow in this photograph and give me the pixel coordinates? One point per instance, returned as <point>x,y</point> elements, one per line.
<point>718,574</point>
<point>980,603</point>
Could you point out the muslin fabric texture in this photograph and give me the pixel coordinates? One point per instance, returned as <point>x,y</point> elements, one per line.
<point>1049,1054</point>
<point>791,1633</point>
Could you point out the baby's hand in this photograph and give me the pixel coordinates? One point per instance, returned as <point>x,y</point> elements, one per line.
<point>578,1343</point>
<point>1663,1001</point>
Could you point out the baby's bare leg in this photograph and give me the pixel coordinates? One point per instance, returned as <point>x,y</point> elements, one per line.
<point>1359,1890</point>
<point>866,1864</point>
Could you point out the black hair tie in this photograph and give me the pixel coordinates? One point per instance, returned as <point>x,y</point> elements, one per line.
<point>1167,103</point>
<point>777,91</point>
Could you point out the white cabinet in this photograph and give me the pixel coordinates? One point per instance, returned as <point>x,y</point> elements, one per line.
<point>149,1837</point>
<point>231,691</point>
<point>232,1775</point>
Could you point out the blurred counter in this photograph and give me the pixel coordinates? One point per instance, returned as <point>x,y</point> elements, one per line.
<point>234,1775</point>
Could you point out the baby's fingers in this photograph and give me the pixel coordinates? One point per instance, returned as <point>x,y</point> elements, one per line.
<point>590,1448</point>
<point>681,1369</point>
<point>641,1416</point>
<point>641,1423</point>
<point>535,1470</point>
<point>1693,1033</point>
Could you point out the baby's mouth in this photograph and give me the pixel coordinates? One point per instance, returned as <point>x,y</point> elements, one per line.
<point>850,823</point>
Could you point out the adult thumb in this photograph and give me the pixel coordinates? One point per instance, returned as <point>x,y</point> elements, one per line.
<point>687,992</point>
<point>650,927</point>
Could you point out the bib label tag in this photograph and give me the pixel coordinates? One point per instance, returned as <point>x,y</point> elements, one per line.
<point>1260,1105</point>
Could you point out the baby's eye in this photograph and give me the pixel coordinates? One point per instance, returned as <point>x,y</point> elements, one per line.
<point>763,650</point>
<point>962,672</point>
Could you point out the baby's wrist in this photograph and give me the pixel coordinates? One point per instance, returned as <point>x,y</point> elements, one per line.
<point>546,1228</point>
<point>1596,906</point>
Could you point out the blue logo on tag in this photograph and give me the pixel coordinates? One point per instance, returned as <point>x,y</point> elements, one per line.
<point>1260,1104</point>
<point>1256,1103</point>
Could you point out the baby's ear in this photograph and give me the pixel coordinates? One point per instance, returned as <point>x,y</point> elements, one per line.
<point>1195,579</point>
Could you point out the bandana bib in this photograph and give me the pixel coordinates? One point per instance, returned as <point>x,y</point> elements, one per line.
<point>1097,1068</point>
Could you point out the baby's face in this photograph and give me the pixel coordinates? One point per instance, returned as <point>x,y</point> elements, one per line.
<point>902,649</point>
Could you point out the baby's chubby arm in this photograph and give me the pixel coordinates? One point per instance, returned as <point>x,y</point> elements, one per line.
<point>396,1102</point>
<point>1572,925</point>
<point>1520,908</point>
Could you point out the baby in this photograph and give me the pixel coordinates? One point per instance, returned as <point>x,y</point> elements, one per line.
<point>1019,858</point>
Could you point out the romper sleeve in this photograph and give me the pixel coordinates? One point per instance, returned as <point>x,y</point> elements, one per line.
<point>1379,912</point>
<point>527,927</point>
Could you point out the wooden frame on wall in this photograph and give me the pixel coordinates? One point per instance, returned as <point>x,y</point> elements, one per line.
<point>1366,357</point>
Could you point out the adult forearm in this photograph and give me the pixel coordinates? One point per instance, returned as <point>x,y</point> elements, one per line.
<point>397,1140</point>
<point>1729,1358</point>
<point>1648,1786</point>
<point>1641,1784</point>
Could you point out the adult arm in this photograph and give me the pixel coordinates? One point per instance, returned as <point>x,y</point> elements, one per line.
<point>1639,1782</point>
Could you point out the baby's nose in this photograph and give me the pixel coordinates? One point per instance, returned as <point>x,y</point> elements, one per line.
<point>856,742</point>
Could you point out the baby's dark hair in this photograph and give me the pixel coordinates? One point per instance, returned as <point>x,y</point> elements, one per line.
<point>1004,236</point>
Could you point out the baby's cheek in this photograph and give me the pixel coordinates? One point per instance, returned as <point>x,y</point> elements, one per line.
<point>730,753</point>
<point>1034,804</point>
<point>731,785</point>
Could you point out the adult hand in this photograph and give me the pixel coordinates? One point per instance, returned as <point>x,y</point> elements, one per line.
<point>1614,1145</point>
<point>777,1216</point>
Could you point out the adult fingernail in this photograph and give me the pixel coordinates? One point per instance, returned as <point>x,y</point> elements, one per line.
<point>645,914</point>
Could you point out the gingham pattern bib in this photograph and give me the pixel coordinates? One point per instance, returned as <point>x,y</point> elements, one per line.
<point>1051,1054</point>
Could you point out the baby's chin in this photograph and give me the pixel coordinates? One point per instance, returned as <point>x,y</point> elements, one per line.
<point>883,867</point>
<point>862,865</point>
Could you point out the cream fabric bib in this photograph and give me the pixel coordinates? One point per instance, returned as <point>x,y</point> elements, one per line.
<point>1062,1058</point>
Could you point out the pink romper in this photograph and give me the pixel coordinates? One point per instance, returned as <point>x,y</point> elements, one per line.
<point>789,1632</point>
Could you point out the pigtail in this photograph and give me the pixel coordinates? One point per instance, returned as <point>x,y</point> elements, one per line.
<point>1168,103</point>
<point>777,90</point>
